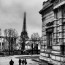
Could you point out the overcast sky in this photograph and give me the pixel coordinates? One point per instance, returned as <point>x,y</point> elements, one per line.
<point>11,15</point>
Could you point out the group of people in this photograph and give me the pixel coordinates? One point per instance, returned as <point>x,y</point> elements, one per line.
<point>24,62</point>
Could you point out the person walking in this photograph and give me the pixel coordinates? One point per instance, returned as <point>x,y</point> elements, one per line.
<point>19,61</point>
<point>25,62</point>
<point>11,62</point>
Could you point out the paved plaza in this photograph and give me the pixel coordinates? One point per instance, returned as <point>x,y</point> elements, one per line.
<point>15,58</point>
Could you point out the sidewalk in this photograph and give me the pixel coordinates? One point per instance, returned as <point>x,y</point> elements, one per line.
<point>17,55</point>
<point>28,56</point>
<point>5,60</point>
<point>36,60</point>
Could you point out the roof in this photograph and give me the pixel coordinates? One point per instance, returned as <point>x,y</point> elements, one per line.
<point>44,8</point>
<point>46,4</point>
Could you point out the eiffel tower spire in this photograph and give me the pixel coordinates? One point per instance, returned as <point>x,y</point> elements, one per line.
<point>24,34</point>
<point>24,22</point>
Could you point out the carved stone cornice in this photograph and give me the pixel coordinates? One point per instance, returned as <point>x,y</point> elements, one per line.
<point>46,5</point>
<point>59,4</point>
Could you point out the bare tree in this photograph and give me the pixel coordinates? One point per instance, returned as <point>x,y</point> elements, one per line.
<point>11,35</point>
<point>35,41</point>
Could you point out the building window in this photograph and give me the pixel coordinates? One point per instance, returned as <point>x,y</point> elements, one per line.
<point>49,33</point>
<point>49,40</point>
<point>63,39</point>
<point>62,49</point>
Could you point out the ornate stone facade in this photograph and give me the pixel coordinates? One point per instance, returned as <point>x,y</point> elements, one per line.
<point>53,32</point>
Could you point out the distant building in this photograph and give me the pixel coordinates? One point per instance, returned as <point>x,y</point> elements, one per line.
<point>53,32</point>
<point>27,46</point>
<point>1,44</point>
<point>4,45</point>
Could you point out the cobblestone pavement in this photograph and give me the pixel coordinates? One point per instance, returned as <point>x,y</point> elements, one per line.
<point>5,60</point>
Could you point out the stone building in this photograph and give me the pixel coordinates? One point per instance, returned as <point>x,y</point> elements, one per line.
<point>53,32</point>
<point>4,45</point>
<point>1,44</point>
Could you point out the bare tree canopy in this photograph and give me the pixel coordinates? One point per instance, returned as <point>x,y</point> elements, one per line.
<point>10,32</point>
<point>11,35</point>
<point>35,36</point>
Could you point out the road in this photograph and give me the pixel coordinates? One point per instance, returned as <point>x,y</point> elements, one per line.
<point>5,60</point>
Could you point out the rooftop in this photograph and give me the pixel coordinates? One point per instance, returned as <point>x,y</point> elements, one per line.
<point>46,4</point>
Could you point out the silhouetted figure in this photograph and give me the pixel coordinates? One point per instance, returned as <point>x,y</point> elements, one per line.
<point>25,62</point>
<point>11,62</point>
<point>19,61</point>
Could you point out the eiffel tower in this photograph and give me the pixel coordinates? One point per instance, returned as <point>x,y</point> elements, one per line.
<point>24,34</point>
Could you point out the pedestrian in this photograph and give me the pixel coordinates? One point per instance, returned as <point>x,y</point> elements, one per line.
<point>11,62</point>
<point>25,62</point>
<point>19,61</point>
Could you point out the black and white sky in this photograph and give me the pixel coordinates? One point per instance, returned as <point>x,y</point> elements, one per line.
<point>11,15</point>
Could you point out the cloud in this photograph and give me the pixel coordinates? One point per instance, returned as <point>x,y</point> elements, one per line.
<point>11,15</point>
